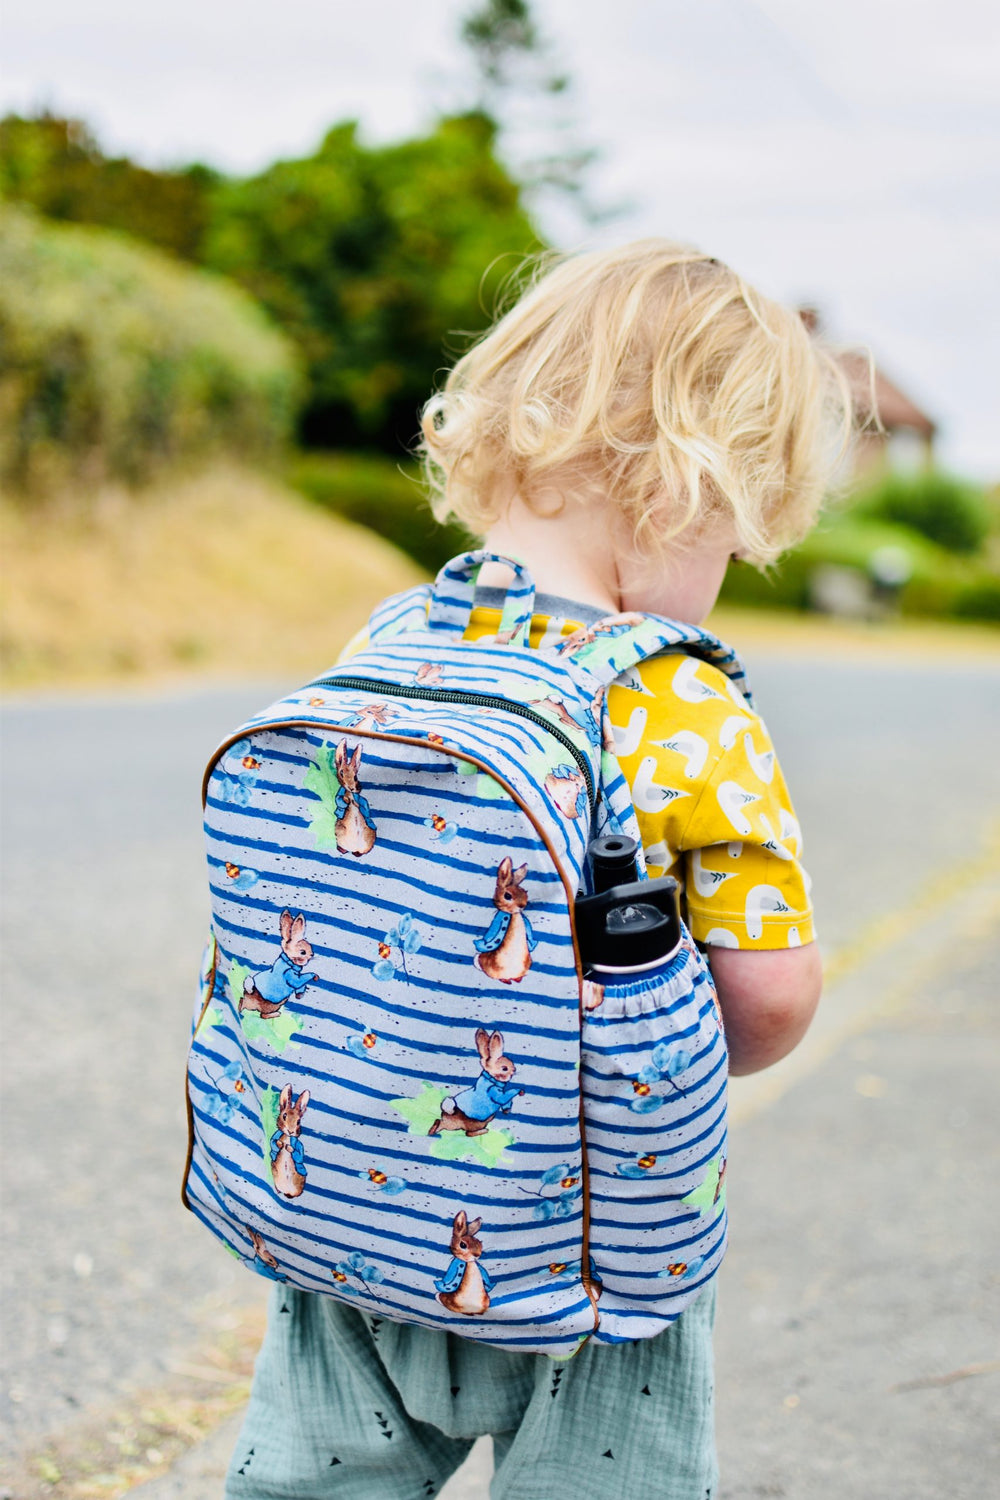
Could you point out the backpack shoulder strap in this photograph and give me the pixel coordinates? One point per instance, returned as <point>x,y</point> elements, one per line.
<point>399,613</point>
<point>611,646</point>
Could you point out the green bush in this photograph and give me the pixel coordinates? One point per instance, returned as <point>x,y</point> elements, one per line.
<point>116,362</point>
<point>786,586</point>
<point>979,600</point>
<point>944,509</point>
<point>385,497</point>
<point>939,584</point>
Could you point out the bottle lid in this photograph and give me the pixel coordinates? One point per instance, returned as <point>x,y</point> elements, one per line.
<point>629,925</point>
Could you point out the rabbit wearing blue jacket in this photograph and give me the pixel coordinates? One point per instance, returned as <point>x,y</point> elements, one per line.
<point>472,1109</point>
<point>268,991</point>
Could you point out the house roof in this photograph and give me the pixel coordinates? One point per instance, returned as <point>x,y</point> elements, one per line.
<point>892,406</point>
<point>874,393</point>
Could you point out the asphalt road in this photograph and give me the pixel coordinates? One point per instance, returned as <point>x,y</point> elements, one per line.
<point>107,1283</point>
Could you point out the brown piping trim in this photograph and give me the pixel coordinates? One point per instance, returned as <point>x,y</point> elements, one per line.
<point>474,760</point>
<point>187,1092</point>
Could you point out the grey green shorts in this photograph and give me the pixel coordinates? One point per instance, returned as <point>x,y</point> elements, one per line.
<point>349,1406</point>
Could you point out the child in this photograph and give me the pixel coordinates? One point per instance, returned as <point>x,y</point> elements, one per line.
<point>637,419</point>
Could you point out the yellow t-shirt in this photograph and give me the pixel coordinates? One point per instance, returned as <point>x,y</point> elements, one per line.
<point>709,795</point>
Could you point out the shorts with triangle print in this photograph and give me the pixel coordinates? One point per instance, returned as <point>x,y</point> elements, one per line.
<point>349,1406</point>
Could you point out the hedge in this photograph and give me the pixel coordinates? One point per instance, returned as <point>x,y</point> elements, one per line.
<point>117,362</point>
<point>940,583</point>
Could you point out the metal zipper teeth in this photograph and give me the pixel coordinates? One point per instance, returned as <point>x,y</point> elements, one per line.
<point>476,700</point>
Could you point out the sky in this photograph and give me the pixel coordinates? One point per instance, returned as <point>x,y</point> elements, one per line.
<point>847,155</point>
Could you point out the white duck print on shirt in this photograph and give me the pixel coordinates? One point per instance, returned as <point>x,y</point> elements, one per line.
<point>693,746</point>
<point>630,679</point>
<point>732,799</point>
<point>730,728</point>
<point>658,856</point>
<point>707,882</point>
<point>648,795</point>
<point>761,899</point>
<point>772,844</point>
<point>688,686</point>
<point>628,740</point>
<point>762,765</point>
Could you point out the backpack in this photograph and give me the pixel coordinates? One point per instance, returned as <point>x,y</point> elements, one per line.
<point>402,1093</point>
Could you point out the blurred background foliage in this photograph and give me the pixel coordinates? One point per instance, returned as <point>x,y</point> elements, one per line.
<point>295,320</point>
<point>374,261</point>
<point>57,167</point>
<point>118,363</point>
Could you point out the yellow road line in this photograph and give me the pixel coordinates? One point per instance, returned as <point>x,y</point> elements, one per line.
<point>944,888</point>
<point>875,977</point>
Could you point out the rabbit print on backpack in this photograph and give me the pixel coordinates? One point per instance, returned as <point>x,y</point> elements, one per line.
<point>267,992</point>
<point>568,790</point>
<point>288,1162</point>
<point>505,952</point>
<point>472,1109</point>
<point>466,1285</point>
<point>263,1262</point>
<point>355,826</point>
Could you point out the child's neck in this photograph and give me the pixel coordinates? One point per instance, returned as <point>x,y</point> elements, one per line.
<point>580,552</point>
<point>559,555</point>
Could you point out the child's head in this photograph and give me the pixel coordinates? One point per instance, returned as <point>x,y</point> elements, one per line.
<point>654,379</point>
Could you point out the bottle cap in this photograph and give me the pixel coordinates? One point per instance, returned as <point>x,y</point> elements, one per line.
<point>629,926</point>
<point>614,861</point>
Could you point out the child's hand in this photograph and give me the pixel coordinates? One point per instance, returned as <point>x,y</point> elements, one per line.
<point>768,997</point>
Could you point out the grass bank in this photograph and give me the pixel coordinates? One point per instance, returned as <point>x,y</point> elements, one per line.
<point>222,574</point>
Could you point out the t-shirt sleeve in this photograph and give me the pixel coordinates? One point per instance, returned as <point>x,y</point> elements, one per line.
<point>745,884</point>
<point>711,803</point>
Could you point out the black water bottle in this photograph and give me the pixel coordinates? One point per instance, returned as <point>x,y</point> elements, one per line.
<point>628,925</point>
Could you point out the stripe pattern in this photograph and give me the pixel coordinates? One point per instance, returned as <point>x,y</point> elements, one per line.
<point>394,1098</point>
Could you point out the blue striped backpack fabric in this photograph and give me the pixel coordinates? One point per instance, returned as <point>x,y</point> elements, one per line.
<point>402,1091</point>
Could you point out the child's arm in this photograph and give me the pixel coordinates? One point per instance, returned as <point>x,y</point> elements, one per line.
<point>768,997</point>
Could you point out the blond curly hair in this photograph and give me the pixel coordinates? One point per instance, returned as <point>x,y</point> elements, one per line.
<point>654,375</point>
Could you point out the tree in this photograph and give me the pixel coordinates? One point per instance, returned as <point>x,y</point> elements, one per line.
<point>371,258</point>
<point>522,90</point>
<point>56,165</point>
<point>499,32</point>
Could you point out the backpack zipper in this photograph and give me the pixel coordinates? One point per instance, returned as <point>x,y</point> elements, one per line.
<point>475,700</point>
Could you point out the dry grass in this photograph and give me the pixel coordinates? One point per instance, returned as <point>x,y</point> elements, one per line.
<point>226,573</point>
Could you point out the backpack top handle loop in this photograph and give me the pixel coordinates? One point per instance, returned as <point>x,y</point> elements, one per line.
<point>454,594</point>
